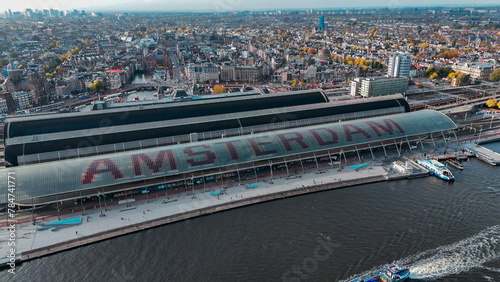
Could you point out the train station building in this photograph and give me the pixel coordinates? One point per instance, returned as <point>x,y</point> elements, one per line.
<point>202,152</point>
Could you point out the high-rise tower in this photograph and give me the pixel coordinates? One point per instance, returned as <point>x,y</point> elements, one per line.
<point>321,24</point>
<point>399,65</point>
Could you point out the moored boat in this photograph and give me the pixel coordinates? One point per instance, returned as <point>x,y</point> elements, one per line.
<point>455,164</point>
<point>439,169</point>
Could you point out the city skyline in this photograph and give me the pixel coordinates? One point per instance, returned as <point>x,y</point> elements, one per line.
<point>229,5</point>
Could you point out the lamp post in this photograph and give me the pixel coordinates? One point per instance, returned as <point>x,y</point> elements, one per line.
<point>100,207</point>
<point>104,199</point>
<point>479,137</point>
<point>192,184</point>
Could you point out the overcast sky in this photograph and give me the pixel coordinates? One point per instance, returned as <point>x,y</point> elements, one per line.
<point>219,5</point>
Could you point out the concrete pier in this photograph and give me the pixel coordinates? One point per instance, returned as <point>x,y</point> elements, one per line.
<point>484,154</point>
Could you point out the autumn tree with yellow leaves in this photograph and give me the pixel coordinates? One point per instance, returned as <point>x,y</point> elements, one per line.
<point>220,89</point>
<point>491,103</point>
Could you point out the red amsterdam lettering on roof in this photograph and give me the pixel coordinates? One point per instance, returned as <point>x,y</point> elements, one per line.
<point>387,127</point>
<point>319,139</point>
<point>256,146</point>
<point>210,156</point>
<point>93,169</point>
<point>231,149</point>
<point>156,165</point>
<point>287,141</point>
<point>350,130</point>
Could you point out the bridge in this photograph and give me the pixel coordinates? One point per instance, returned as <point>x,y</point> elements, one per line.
<point>141,87</point>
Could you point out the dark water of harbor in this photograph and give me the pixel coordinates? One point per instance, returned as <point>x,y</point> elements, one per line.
<point>443,231</point>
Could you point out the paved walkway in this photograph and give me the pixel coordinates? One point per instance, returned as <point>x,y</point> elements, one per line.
<point>119,216</point>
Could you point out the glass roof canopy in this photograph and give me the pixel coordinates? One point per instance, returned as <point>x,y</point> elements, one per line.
<point>56,178</point>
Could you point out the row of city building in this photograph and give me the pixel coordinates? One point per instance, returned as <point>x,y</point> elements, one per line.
<point>232,47</point>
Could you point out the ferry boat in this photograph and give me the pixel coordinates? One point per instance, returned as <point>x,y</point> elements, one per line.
<point>439,169</point>
<point>455,164</point>
<point>391,273</point>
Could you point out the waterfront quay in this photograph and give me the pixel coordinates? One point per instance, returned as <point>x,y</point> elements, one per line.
<point>484,154</point>
<point>122,219</point>
<point>152,210</point>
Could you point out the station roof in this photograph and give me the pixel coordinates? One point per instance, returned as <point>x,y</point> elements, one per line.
<point>121,116</point>
<point>226,121</point>
<point>52,178</point>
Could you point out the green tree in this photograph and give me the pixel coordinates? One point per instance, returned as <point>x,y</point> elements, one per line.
<point>82,69</point>
<point>495,75</point>
<point>462,78</point>
<point>430,70</point>
<point>35,38</point>
<point>99,85</point>
<point>444,72</point>
<point>13,54</point>
<point>4,62</point>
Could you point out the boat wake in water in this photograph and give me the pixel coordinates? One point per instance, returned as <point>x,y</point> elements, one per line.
<point>456,258</point>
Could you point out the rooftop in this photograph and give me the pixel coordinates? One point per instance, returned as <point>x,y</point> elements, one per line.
<point>69,176</point>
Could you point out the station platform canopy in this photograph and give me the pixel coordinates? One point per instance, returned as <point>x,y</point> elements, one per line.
<point>69,176</point>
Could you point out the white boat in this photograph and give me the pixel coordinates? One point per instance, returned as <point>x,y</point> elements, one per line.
<point>439,169</point>
<point>391,273</point>
<point>401,167</point>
